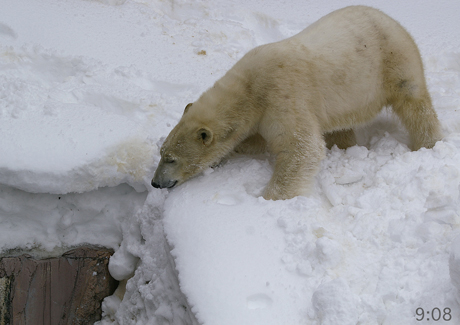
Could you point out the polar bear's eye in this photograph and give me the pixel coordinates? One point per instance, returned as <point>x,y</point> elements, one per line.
<point>169,160</point>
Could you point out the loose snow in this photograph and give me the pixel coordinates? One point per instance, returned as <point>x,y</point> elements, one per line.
<point>89,90</point>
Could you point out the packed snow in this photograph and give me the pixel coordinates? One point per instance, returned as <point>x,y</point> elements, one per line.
<point>90,89</point>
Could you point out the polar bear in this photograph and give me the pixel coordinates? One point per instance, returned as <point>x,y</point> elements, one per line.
<point>297,95</point>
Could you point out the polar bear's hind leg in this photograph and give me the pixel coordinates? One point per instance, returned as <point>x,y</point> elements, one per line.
<point>342,138</point>
<point>414,109</point>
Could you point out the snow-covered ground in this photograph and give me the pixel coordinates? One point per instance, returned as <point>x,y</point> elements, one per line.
<point>88,91</point>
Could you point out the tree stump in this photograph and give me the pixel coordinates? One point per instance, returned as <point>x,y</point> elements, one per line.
<point>63,290</point>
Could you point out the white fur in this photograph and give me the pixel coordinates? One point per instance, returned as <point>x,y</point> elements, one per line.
<point>290,96</point>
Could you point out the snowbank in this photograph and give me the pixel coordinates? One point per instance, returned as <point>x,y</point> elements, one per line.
<point>70,125</point>
<point>366,248</point>
<point>153,295</point>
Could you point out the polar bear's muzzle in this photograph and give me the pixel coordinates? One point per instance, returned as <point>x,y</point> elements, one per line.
<point>165,175</point>
<point>168,184</point>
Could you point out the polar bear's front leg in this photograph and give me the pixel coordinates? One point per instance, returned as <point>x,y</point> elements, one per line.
<point>253,145</point>
<point>298,157</point>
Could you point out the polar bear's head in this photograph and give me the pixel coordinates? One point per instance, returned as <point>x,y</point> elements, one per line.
<point>193,145</point>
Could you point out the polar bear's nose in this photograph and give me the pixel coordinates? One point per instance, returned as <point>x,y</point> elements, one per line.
<point>169,184</point>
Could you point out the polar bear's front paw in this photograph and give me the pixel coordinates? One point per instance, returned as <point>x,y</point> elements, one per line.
<point>275,193</point>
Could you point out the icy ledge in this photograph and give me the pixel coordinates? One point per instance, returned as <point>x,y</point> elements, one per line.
<point>71,124</point>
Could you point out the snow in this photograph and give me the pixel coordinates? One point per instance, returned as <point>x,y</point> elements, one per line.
<point>89,90</point>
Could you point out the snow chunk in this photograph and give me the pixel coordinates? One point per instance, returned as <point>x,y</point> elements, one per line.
<point>334,303</point>
<point>357,152</point>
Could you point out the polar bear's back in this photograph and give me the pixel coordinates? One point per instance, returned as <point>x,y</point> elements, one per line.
<point>361,36</point>
<point>351,60</point>
<point>344,69</point>
<point>353,24</point>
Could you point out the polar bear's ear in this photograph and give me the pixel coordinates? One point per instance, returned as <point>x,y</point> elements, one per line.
<point>187,107</point>
<point>205,135</point>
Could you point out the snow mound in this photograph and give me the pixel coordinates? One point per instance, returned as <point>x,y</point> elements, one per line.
<point>361,250</point>
<point>70,125</point>
<point>152,294</point>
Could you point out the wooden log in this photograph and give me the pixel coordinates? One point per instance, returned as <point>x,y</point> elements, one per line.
<point>63,290</point>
